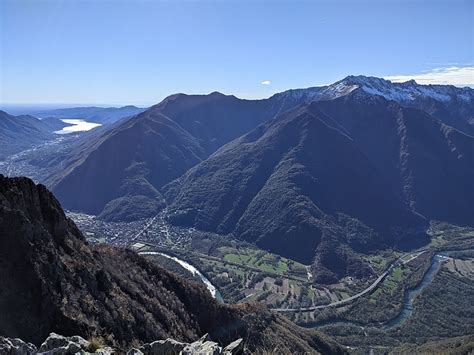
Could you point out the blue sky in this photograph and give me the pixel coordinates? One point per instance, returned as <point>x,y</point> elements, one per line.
<point>138,52</point>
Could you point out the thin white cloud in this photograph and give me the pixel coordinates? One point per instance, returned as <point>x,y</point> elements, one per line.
<point>453,75</point>
<point>266,82</point>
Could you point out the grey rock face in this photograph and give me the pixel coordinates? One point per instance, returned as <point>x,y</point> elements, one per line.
<point>57,344</point>
<point>14,346</point>
<point>159,347</point>
<point>207,347</point>
<point>203,346</point>
<point>236,347</point>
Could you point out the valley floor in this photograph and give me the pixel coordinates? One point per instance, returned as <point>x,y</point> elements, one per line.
<point>355,312</point>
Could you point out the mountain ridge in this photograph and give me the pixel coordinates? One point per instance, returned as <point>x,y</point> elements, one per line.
<point>18,133</point>
<point>200,124</point>
<point>417,157</point>
<point>103,115</point>
<point>450,104</point>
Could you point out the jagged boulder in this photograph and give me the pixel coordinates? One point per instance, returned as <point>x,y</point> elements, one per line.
<point>15,346</point>
<point>236,347</point>
<point>57,344</point>
<point>159,347</point>
<point>202,346</point>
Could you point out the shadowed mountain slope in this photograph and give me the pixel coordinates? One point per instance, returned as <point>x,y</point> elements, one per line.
<point>52,280</point>
<point>18,133</point>
<point>136,158</point>
<point>429,164</point>
<point>347,174</point>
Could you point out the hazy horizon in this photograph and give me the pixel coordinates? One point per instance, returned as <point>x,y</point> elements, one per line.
<point>25,107</point>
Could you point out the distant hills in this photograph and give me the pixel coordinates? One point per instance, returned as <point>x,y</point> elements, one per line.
<point>25,131</point>
<point>52,280</point>
<point>103,115</point>
<point>314,174</point>
<point>18,133</point>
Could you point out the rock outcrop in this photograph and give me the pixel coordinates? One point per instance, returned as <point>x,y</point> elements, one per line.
<point>202,346</point>
<point>57,344</point>
<point>15,346</point>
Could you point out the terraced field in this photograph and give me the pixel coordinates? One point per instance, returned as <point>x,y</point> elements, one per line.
<point>262,260</point>
<point>461,267</point>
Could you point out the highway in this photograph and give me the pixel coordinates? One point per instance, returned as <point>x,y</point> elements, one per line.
<point>379,279</point>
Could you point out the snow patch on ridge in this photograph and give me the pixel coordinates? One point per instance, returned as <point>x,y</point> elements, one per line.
<point>400,92</point>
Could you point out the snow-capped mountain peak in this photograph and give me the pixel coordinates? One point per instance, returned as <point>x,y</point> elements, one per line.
<point>401,92</point>
<point>406,91</point>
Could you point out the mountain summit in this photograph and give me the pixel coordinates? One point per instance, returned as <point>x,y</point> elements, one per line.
<point>452,105</point>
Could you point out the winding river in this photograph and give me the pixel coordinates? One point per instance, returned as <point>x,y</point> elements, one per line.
<point>410,295</point>
<point>408,298</point>
<point>403,315</point>
<point>212,289</point>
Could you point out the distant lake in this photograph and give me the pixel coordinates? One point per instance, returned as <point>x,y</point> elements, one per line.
<point>77,126</point>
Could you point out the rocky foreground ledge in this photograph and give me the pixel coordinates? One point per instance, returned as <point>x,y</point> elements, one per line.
<point>57,344</point>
